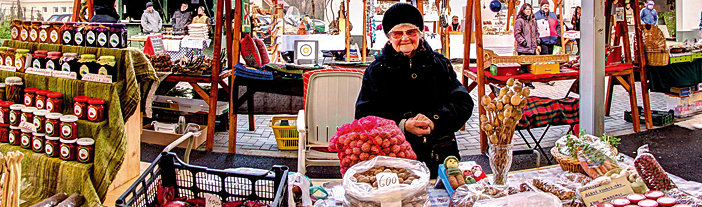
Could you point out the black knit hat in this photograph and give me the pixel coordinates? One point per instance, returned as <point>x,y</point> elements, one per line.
<point>402,13</point>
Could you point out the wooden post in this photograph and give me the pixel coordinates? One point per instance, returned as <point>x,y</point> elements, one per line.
<point>563,28</point>
<point>233,39</point>
<point>480,59</point>
<point>642,64</point>
<point>347,32</point>
<point>510,14</point>
<point>365,32</point>
<point>91,10</point>
<point>216,67</point>
<point>468,22</point>
<point>76,10</point>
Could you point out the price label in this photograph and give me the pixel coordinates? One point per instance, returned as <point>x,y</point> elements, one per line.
<point>39,71</point>
<point>97,78</point>
<point>28,126</point>
<point>8,68</point>
<point>212,201</point>
<point>387,179</point>
<point>64,74</point>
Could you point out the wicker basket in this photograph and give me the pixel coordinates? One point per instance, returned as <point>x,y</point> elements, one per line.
<point>569,163</point>
<point>657,58</point>
<point>491,58</point>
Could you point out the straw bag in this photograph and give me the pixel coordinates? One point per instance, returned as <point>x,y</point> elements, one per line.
<point>655,46</point>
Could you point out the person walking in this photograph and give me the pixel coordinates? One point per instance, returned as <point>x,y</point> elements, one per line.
<point>526,34</point>
<point>649,14</point>
<point>576,24</point>
<point>181,18</point>
<point>550,35</point>
<point>150,20</point>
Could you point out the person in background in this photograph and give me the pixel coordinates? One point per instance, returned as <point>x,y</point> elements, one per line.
<point>201,17</point>
<point>150,20</point>
<point>181,18</point>
<point>649,14</point>
<point>105,11</point>
<point>415,87</point>
<point>455,25</point>
<point>548,38</point>
<point>576,24</point>
<point>526,34</point>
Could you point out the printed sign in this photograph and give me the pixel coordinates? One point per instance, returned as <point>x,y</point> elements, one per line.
<point>39,71</point>
<point>64,74</point>
<point>8,68</point>
<point>387,179</point>
<point>618,188</point>
<point>157,45</point>
<point>97,78</point>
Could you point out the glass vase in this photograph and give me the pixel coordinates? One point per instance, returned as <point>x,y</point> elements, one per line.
<point>500,162</point>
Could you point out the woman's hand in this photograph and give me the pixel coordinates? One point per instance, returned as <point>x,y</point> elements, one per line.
<point>419,125</point>
<point>538,50</point>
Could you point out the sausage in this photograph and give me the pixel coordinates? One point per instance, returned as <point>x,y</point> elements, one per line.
<point>72,201</point>
<point>51,201</point>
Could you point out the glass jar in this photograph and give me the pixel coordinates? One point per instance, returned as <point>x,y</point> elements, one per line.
<point>69,62</point>
<point>91,34</point>
<point>10,57</point>
<point>38,142</point>
<point>54,102</point>
<point>13,89</point>
<point>103,33</point>
<point>118,36</point>
<point>34,31</point>
<point>51,146</point>
<point>44,32</point>
<point>30,96</point>
<point>96,110</point>
<point>80,107</point>
<point>28,115</point>
<point>51,126</point>
<point>52,61</point>
<point>15,114</point>
<point>3,51</point>
<point>39,60</point>
<point>26,139</point>
<point>69,127</point>
<point>40,120</point>
<point>67,31</point>
<point>2,91</point>
<point>86,150</point>
<point>67,150</point>
<point>21,59</point>
<point>40,99</point>
<point>5,112</point>
<point>4,133</point>
<point>24,32</point>
<point>14,137</point>
<point>15,29</point>
<point>107,65</point>
<point>79,34</point>
<point>87,64</point>
<point>55,33</point>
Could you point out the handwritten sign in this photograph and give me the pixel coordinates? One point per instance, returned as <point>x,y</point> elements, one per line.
<point>8,68</point>
<point>97,78</point>
<point>212,201</point>
<point>387,179</point>
<point>157,45</point>
<point>39,71</point>
<point>28,126</point>
<point>64,74</point>
<point>618,188</point>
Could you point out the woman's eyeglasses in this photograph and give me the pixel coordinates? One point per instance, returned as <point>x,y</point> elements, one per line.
<point>400,34</point>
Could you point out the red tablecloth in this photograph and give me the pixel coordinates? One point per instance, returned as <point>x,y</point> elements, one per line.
<point>541,111</point>
<point>529,76</point>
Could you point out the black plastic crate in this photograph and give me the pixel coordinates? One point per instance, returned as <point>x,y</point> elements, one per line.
<point>194,181</point>
<point>659,118</point>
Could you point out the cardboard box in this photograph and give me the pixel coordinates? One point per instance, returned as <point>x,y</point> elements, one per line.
<point>682,91</point>
<point>150,136</point>
<point>545,68</point>
<point>188,105</point>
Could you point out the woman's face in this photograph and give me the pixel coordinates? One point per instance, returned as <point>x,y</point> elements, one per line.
<point>577,11</point>
<point>404,38</point>
<point>199,11</point>
<point>545,7</point>
<point>527,11</point>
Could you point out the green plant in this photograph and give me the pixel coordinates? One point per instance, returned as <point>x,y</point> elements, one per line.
<point>611,140</point>
<point>5,30</point>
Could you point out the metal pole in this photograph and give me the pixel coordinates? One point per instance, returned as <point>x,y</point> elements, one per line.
<point>592,68</point>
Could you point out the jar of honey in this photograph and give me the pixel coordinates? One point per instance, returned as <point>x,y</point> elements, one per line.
<point>3,51</point>
<point>15,29</point>
<point>44,32</point>
<point>24,32</point>
<point>10,57</point>
<point>21,59</point>
<point>34,31</point>
<point>55,33</point>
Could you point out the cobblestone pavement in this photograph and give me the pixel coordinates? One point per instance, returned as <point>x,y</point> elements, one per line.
<point>262,141</point>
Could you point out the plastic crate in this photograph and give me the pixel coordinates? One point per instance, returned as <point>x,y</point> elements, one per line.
<point>286,137</point>
<point>659,118</point>
<point>192,181</point>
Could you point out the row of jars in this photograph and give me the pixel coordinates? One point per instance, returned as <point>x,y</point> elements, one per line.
<point>82,150</point>
<point>69,62</point>
<point>84,107</point>
<point>71,33</point>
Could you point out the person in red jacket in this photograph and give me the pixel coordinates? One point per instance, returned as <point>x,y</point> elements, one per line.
<point>455,25</point>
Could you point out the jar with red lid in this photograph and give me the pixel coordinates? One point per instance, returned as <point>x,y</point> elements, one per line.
<point>80,106</point>
<point>29,96</point>
<point>4,133</point>
<point>40,99</point>
<point>51,146</point>
<point>54,102</point>
<point>40,120</point>
<point>14,136</point>
<point>69,127</point>
<point>38,142</point>
<point>620,202</point>
<point>5,112</point>
<point>635,198</point>
<point>67,149</point>
<point>28,115</point>
<point>52,124</point>
<point>86,150</point>
<point>666,201</point>
<point>96,110</point>
<point>654,194</point>
<point>648,203</point>
<point>26,139</point>
<point>15,114</point>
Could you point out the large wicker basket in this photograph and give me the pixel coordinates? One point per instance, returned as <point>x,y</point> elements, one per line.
<point>569,163</point>
<point>657,58</point>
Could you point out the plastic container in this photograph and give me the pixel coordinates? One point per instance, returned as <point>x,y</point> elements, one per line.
<point>15,29</point>
<point>38,142</point>
<point>67,149</point>
<point>14,136</point>
<point>69,127</point>
<point>648,203</point>
<point>96,110</point>
<point>67,31</point>
<point>21,59</point>
<point>654,194</point>
<point>53,61</point>
<point>51,125</point>
<point>635,198</point>
<point>39,60</point>
<point>268,186</point>
<point>86,150</point>
<point>666,201</point>
<point>80,107</point>
<point>286,137</point>
<point>52,146</point>
<point>620,202</point>
<point>54,102</point>
<point>40,120</point>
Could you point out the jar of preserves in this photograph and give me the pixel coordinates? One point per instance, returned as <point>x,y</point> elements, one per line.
<point>29,96</point>
<point>118,36</point>
<point>86,150</point>
<point>67,31</point>
<point>2,91</point>
<point>55,33</point>
<point>21,59</point>
<point>4,133</point>
<point>34,31</point>
<point>28,115</point>
<point>91,34</point>
<point>107,65</point>
<point>40,99</point>
<point>10,57</point>
<point>51,126</point>
<point>53,61</point>
<point>3,51</point>
<point>67,149</point>
<point>103,34</point>
<point>14,137</point>
<point>96,110</point>
<point>40,120</point>
<point>15,29</point>
<point>68,62</point>
<point>69,127</point>
<point>54,102</point>
<point>38,142</point>
<point>44,32</point>
<point>87,64</point>
<point>26,139</point>
<point>24,32</point>
<point>5,112</point>
<point>13,89</point>
<point>39,60</point>
<point>79,34</point>
<point>15,114</point>
<point>51,146</point>
<point>80,107</point>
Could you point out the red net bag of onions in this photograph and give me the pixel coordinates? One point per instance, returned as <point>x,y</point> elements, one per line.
<point>368,137</point>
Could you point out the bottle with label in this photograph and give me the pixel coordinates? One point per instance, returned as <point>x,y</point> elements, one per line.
<point>39,60</point>
<point>88,64</point>
<point>21,59</point>
<point>118,36</point>
<point>15,29</point>
<point>10,57</point>
<point>67,31</point>
<point>53,61</point>
<point>79,34</point>
<point>91,34</point>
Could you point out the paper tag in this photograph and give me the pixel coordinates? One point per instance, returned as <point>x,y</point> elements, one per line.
<point>39,71</point>
<point>387,179</point>
<point>97,78</point>
<point>212,201</point>
<point>619,187</point>
<point>64,74</point>
<point>8,68</point>
<point>28,126</point>
<point>517,201</point>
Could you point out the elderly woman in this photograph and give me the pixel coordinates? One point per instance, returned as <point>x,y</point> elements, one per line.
<point>201,17</point>
<point>415,87</point>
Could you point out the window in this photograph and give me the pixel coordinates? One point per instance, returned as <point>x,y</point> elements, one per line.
<point>70,9</point>
<point>63,9</point>
<point>44,9</point>
<point>55,9</point>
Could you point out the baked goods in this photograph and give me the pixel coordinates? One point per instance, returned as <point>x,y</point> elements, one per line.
<point>561,192</point>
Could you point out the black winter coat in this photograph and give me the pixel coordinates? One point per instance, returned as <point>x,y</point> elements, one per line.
<point>396,87</point>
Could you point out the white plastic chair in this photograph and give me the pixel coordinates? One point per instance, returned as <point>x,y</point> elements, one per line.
<point>330,102</point>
